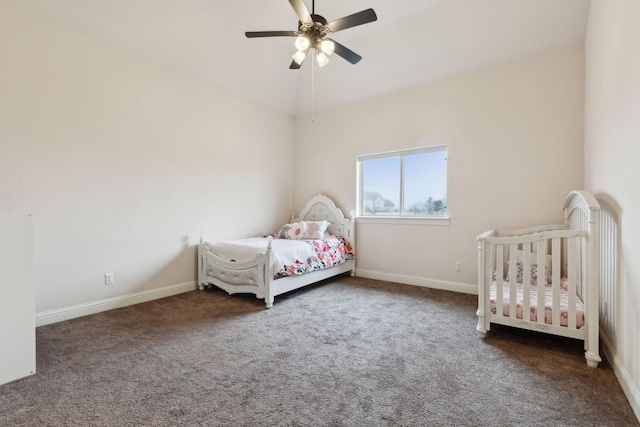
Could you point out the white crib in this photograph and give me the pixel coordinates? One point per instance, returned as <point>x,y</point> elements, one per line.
<point>562,299</point>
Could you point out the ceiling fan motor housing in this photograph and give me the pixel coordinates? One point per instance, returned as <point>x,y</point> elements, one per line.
<point>314,31</point>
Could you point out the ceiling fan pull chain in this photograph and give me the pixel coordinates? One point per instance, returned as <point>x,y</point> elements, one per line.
<point>313,67</point>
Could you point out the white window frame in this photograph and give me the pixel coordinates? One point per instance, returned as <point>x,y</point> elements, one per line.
<point>361,217</point>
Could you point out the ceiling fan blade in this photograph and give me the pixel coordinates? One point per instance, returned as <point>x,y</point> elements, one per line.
<point>354,20</point>
<point>346,53</point>
<point>254,34</point>
<point>301,11</point>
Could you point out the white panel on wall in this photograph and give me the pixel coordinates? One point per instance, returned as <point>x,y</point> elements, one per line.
<point>17,299</point>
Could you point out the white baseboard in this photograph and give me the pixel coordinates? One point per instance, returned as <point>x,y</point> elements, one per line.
<point>626,382</point>
<point>67,313</point>
<point>464,288</point>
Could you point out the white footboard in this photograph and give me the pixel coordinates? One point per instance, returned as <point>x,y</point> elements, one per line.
<point>234,277</point>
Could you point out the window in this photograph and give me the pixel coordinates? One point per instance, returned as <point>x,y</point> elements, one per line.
<point>407,183</point>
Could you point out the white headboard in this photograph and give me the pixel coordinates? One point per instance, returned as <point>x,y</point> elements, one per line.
<point>321,208</point>
<point>582,212</point>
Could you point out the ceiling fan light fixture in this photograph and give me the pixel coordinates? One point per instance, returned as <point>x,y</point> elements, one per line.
<point>321,58</point>
<point>311,33</point>
<point>327,46</point>
<point>299,56</point>
<point>302,43</point>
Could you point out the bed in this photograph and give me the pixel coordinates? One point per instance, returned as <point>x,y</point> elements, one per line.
<point>269,266</point>
<point>514,290</point>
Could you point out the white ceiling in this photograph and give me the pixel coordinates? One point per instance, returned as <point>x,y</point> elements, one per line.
<point>413,41</point>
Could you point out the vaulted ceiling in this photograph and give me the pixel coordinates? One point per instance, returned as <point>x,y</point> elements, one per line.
<point>413,42</point>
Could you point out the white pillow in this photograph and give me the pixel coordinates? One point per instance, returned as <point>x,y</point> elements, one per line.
<point>315,229</point>
<point>297,231</point>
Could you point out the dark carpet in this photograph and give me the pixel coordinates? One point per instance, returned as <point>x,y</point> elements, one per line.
<point>345,352</point>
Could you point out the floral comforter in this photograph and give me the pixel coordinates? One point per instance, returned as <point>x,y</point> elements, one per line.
<point>329,252</point>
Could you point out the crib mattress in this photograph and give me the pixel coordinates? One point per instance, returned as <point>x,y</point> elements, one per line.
<point>548,303</point>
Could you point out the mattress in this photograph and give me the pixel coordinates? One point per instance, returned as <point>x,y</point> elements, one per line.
<point>548,303</point>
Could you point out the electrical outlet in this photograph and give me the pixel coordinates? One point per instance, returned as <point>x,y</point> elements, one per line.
<point>108,279</point>
<point>458,265</point>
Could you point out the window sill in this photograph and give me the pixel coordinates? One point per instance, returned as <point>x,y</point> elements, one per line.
<point>403,220</point>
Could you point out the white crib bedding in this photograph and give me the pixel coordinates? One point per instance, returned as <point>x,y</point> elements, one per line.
<point>548,298</point>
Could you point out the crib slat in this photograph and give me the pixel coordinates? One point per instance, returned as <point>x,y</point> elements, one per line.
<point>608,245</point>
<point>513,282</point>
<point>484,292</point>
<point>526,282</point>
<point>572,276</point>
<point>608,268</point>
<point>555,280</point>
<point>499,280</point>
<point>605,276</point>
<point>542,278</point>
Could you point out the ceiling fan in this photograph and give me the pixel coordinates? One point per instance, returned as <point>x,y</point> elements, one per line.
<point>312,32</point>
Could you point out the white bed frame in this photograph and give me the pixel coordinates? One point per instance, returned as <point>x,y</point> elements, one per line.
<point>256,277</point>
<point>574,248</point>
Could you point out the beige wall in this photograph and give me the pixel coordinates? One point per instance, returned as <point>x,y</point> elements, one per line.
<point>514,135</point>
<point>612,150</point>
<point>123,164</point>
